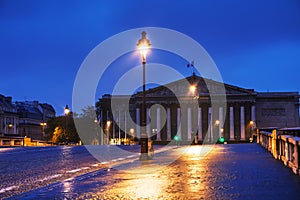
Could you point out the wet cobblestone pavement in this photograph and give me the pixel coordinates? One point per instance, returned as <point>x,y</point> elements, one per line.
<point>238,171</point>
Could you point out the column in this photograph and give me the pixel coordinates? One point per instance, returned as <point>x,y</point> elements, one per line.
<point>220,120</point>
<point>189,124</point>
<point>199,124</point>
<point>231,123</point>
<point>210,125</point>
<point>125,125</point>
<point>243,123</point>
<point>114,126</point>
<point>158,125</point>
<point>168,124</point>
<point>5,125</point>
<point>253,113</point>
<point>138,123</point>
<point>148,123</point>
<point>15,125</point>
<point>178,124</point>
<point>119,120</point>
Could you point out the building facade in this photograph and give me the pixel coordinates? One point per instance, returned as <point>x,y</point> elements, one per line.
<point>200,114</point>
<point>33,117</point>
<point>26,118</point>
<point>9,118</point>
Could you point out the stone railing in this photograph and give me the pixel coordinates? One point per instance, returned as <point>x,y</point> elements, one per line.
<point>21,141</point>
<point>283,147</point>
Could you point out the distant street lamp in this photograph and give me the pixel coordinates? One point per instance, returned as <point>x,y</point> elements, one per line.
<point>143,46</point>
<point>43,124</point>
<point>67,111</point>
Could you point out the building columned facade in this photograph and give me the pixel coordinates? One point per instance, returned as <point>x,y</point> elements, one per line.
<point>26,118</point>
<point>198,114</point>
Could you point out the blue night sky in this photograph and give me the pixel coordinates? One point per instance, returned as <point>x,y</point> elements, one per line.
<point>255,44</point>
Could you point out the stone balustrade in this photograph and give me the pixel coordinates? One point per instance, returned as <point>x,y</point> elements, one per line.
<point>21,141</point>
<point>283,147</point>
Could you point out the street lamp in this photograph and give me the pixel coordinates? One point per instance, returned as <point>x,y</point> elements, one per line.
<point>43,124</point>
<point>67,111</point>
<point>143,46</point>
<point>252,127</point>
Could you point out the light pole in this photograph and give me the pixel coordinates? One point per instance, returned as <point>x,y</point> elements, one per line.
<point>43,124</point>
<point>67,111</point>
<point>143,46</point>
<point>252,127</point>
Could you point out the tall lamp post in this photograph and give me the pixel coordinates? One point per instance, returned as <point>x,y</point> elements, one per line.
<point>143,46</point>
<point>67,111</point>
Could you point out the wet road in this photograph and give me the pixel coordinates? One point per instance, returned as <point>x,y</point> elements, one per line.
<point>239,171</point>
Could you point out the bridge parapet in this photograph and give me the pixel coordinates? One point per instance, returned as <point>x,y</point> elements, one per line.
<point>22,141</point>
<point>283,147</point>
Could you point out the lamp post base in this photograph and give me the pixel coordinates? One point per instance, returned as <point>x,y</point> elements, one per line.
<point>144,149</point>
<point>144,156</point>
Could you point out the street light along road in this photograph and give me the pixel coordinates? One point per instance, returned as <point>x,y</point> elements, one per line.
<point>143,46</point>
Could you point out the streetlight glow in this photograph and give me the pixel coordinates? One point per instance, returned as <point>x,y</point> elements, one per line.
<point>67,110</point>
<point>108,123</point>
<point>143,46</point>
<point>193,89</point>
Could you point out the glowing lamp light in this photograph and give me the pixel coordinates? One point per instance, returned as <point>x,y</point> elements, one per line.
<point>143,46</point>
<point>108,123</point>
<point>193,89</point>
<point>67,110</point>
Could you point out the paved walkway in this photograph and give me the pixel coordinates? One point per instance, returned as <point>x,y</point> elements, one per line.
<point>237,171</point>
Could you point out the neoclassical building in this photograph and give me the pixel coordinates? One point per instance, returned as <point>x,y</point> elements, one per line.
<point>201,108</point>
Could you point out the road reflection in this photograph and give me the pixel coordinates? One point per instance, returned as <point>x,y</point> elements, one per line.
<point>182,179</point>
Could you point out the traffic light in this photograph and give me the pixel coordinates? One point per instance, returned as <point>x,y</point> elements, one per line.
<point>221,140</point>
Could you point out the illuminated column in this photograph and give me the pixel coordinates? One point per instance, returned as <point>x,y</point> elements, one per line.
<point>220,120</point>
<point>199,124</point>
<point>178,124</point>
<point>125,125</point>
<point>210,125</point>
<point>148,123</point>
<point>242,123</point>
<point>168,124</point>
<point>114,126</point>
<point>189,124</point>
<point>231,123</point>
<point>158,124</point>
<point>5,125</point>
<point>138,122</point>
<point>15,125</point>
<point>119,120</point>
<point>253,113</point>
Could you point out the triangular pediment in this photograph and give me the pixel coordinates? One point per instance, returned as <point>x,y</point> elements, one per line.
<point>205,87</point>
